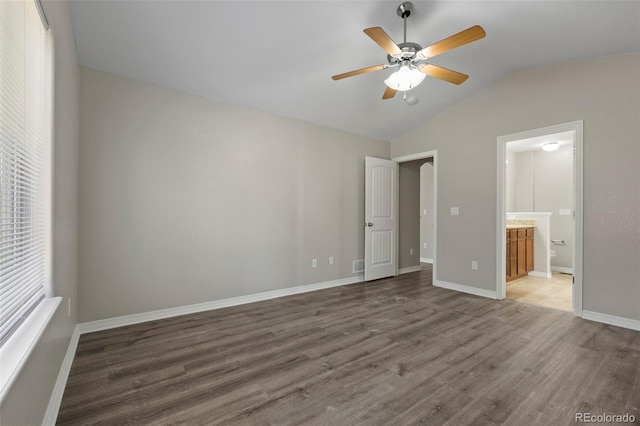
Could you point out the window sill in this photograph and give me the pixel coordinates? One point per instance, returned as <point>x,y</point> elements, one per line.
<point>15,352</point>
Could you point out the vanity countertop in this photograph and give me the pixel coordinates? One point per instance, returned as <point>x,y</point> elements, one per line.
<point>520,223</point>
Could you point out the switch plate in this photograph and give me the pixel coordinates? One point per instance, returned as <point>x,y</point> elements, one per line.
<point>410,252</point>
<point>425,245</point>
<point>330,260</point>
<point>455,211</point>
<point>565,212</point>
<point>314,263</point>
<point>474,265</point>
<point>424,212</point>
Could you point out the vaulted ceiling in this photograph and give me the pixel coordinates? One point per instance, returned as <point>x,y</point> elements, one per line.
<point>278,56</point>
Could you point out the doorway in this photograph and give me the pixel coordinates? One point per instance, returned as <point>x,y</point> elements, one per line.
<point>540,217</point>
<point>422,212</point>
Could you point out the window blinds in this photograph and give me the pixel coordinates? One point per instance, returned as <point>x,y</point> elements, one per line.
<point>25,162</point>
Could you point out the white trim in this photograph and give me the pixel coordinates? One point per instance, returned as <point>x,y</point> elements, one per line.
<point>51,415</point>
<point>426,260</point>
<point>612,320</point>
<point>539,274</point>
<point>409,269</point>
<point>16,350</point>
<point>419,156</point>
<point>105,324</point>
<point>578,176</point>
<point>466,289</point>
<point>562,269</point>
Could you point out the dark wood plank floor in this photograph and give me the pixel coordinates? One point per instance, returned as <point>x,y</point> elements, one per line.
<point>394,351</point>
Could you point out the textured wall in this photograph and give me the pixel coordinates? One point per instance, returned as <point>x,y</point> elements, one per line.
<point>186,200</point>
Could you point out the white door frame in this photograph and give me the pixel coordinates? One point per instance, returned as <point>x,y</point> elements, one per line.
<point>419,156</point>
<point>501,288</point>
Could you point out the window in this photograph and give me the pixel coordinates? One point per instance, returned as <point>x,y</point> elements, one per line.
<point>25,168</point>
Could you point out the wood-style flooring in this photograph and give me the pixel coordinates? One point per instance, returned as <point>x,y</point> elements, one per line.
<point>555,292</point>
<point>390,352</point>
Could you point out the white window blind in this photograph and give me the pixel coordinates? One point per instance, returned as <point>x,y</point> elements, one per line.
<point>25,162</point>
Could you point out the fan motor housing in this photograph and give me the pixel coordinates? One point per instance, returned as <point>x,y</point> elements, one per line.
<point>409,51</point>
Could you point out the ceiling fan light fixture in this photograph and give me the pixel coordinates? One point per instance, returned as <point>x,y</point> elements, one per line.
<point>550,146</point>
<point>406,78</point>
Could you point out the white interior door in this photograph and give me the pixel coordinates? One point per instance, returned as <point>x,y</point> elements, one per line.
<point>381,219</point>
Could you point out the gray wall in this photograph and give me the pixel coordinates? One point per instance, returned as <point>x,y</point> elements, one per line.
<point>426,203</point>
<point>185,200</point>
<point>465,136</point>
<point>510,182</point>
<point>553,191</point>
<point>543,182</point>
<point>28,398</point>
<point>524,182</point>
<point>409,214</point>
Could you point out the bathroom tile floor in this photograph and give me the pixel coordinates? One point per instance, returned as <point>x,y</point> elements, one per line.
<point>554,292</point>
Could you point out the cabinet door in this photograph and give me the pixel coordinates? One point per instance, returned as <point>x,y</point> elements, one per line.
<point>529,249</point>
<point>512,254</point>
<point>508,240</point>
<point>522,266</point>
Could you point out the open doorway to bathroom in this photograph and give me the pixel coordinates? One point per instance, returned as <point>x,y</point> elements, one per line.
<point>539,220</point>
<point>540,205</point>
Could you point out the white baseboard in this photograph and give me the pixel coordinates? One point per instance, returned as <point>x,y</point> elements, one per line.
<point>51,415</point>
<point>546,275</point>
<point>409,269</point>
<point>491,294</point>
<point>426,260</point>
<point>611,320</point>
<point>562,269</point>
<point>105,324</point>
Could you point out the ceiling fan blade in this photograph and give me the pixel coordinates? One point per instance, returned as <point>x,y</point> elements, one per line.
<point>389,93</point>
<point>378,35</point>
<point>445,74</point>
<point>358,72</point>
<point>463,37</point>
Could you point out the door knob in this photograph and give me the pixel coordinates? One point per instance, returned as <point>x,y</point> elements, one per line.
<point>369,224</point>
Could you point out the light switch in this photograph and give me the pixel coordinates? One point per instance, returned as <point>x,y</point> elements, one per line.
<point>455,211</point>
<point>424,212</point>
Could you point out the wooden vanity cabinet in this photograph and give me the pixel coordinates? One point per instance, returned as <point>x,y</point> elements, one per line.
<point>519,252</point>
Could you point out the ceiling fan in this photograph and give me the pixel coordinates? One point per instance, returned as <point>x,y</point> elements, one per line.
<point>411,59</point>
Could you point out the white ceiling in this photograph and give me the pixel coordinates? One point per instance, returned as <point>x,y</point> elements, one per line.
<point>278,56</point>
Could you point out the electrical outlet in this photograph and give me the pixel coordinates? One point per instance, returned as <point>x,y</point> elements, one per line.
<point>455,211</point>
<point>474,265</point>
<point>425,245</point>
<point>314,263</point>
<point>411,252</point>
<point>330,260</point>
